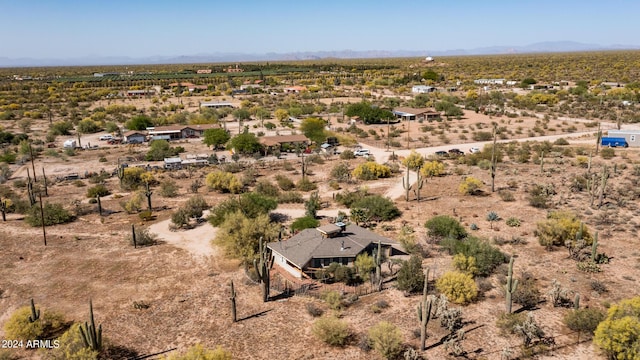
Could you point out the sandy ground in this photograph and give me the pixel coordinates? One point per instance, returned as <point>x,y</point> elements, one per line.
<point>196,241</point>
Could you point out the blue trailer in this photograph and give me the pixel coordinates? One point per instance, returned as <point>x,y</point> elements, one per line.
<point>614,142</point>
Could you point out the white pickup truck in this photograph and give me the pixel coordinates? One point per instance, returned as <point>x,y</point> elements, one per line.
<point>106,137</point>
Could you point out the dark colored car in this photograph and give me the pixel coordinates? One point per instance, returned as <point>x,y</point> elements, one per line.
<point>442,153</point>
<point>456,152</point>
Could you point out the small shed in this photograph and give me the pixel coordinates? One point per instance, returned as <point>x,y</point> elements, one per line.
<point>134,136</point>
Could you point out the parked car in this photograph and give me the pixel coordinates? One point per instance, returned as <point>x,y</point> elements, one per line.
<point>114,141</point>
<point>106,137</point>
<point>474,150</point>
<point>361,152</point>
<point>455,152</point>
<point>442,153</point>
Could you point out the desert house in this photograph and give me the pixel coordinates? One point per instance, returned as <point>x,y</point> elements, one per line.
<point>176,132</point>
<point>173,163</point>
<point>314,249</point>
<point>422,89</point>
<point>284,143</point>
<point>216,105</point>
<point>294,89</point>
<point>134,136</point>
<point>631,136</point>
<point>411,114</point>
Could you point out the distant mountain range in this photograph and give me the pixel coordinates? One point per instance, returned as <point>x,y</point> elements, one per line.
<point>542,47</point>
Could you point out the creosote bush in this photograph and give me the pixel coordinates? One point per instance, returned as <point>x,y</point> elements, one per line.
<point>386,339</point>
<point>444,226</point>
<point>331,330</point>
<point>470,186</point>
<point>71,347</point>
<point>224,182</point>
<point>18,326</point>
<point>53,214</point>
<point>97,190</point>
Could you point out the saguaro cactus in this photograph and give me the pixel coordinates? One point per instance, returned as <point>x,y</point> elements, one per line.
<point>594,248</point>
<point>46,187</point>
<point>424,315</point>
<point>99,204</point>
<point>232,298</point>
<point>542,162</point>
<point>304,166</point>
<point>148,194</point>
<point>263,270</point>
<point>603,185</point>
<point>120,172</point>
<point>91,336</point>
<point>407,185</point>
<point>133,236</point>
<point>419,183</point>
<point>510,287</point>
<point>494,158</point>
<point>35,314</point>
<point>3,208</point>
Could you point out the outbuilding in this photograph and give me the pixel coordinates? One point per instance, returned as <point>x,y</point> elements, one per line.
<point>631,136</point>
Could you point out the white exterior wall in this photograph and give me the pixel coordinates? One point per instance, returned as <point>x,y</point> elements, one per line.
<point>282,262</point>
<point>632,136</point>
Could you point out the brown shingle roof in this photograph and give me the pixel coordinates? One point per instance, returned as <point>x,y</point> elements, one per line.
<point>282,139</point>
<point>312,244</point>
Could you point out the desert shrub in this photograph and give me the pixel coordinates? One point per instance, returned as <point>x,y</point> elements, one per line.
<point>348,198</point>
<point>197,352</point>
<point>53,214</point>
<point>305,184</point>
<point>332,298</point>
<point>484,164</point>
<point>347,155</point>
<point>458,287</point>
<point>61,128</point>
<point>305,222</point>
<point>378,208</point>
<point>470,186</point>
<point>371,171</point>
<point>331,330</point>
<point>169,188</point>
<point>432,168</point>
<point>71,346</point>
<point>386,339</point>
<point>313,310</point>
<point>584,320</point>
<point>341,172</point>
<point>224,182</point>
<point>146,215</point>
<point>582,161</point>
<point>195,205</point>
<point>443,226</point>
<point>527,293</point>
<point>132,178</point>
<point>482,136</point>
<point>539,196</point>
<point>249,204</point>
<point>506,195</point>
<point>289,197</point>
<point>180,218</point>
<point>364,265</point>
<point>466,264</point>
<point>607,153</point>
<point>561,142</point>
<point>284,182</point>
<point>598,286</point>
<point>487,257</point>
<point>618,335</point>
<point>265,187</point>
<point>410,275</point>
<point>239,234</point>
<point>18,326</point>
<point>134,204</point>
<point>507,322</point>
<point>143,237</point>
<point>513,222</point>
<point>559,228</point>
<point>100,190</point>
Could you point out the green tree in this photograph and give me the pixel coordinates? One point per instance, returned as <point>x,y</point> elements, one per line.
<point>250,204</point>
<point>88,126</point>
<point>160,149</point>
<point>314,129</point>
<point>413,161</point>
<point>305,222</point>
<point>410,275</point>
<point>139,122</point>
<point>619,334</point>
<point>379,208</point>
<point>61,128</point>
<point>53,214</point>
<point>364,265</point>
<point>443,226</point>
<point>239,235</point>
<point>386,339</point>
<point>245,143</point>
<point>216,137</point>
<point>368,113</point>
<point>281,114</point>
<point>224,182</point>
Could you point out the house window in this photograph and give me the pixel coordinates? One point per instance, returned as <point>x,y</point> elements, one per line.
<point>326,262</point>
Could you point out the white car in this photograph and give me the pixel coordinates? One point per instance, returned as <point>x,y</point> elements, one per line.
<point>361,152</point>
<point>474,150</point>
<point>106,137</point>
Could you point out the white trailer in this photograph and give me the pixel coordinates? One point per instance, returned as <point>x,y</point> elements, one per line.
<point>631,136</point>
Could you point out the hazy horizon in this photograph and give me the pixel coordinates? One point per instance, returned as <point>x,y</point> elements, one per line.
<point>78,29</point>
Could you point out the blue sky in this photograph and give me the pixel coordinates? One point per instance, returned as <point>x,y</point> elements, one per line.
<point>80,28</point>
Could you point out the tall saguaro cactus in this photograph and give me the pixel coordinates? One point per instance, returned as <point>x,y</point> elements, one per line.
<point>232,298</point>
<point>91,336</point>
<point>263,270</point>
<point>594,248</point>
<point>603,185</point>
<point>407,184</point>
<point>46,187</point>
<point>304,166</point>
<point>148,194</point>
<point>510,287</point>
<point>424,315</point>
<point>120,172</point>
<point>419,183</point>
<point>3,208</point>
